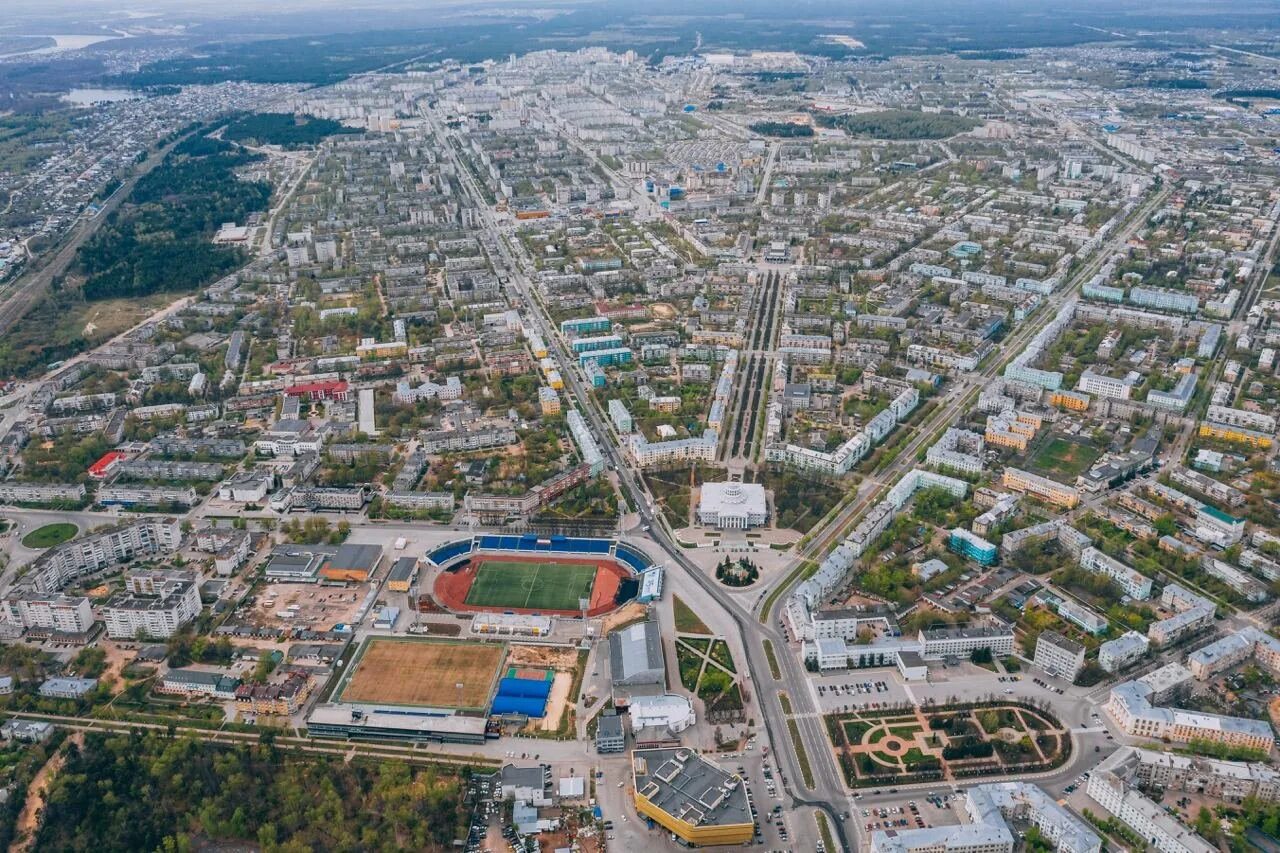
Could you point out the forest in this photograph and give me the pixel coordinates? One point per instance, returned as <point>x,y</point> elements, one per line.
<point>899,124</point>
<point>784,129</point>
<point>153,792</point>
<point>159,240</point>
<point>284,129</point>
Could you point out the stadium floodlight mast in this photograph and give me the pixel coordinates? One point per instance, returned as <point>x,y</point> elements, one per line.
<point>460,686</point>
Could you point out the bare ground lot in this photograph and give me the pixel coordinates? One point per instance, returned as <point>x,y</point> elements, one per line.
<point>319,608</point>
<point>421,672</point>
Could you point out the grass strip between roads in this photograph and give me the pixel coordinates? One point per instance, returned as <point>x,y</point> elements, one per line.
<point>801,755</point>
<point>799,573</point>
<point>774,669</point>
<point>824,831</point>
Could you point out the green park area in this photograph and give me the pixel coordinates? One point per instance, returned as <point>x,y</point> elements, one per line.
<point>50,535</point>
<point>1063,458</point>
<point>913,744</point>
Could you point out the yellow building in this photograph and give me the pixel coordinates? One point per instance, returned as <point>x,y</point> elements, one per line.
<point>691,797</point>
<point>1028,420</point>
<point>1005,438</point>
<point>1239,435</point>
<point>1070,400</point>
<point>1040,487</point>
<point>549,400</point>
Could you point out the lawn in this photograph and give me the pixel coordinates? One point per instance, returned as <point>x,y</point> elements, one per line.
<point>50,535</point>
<point>687,622</point>
<point>531,585</point>
<point>1064,459</point>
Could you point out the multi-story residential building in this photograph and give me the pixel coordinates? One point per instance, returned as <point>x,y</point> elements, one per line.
<point>621,418</point>
<point>1131,707</point>
<point>1249,643</point>
<point>1040,487</point>
<point>155,496</point>
<point>971,545</point>
<point>1069,400</point>
<point>548,401</point>
<point>1232,781</point>
<point>12,492</point>
<point>1207,486</point>
<point>646,454</point>
<point>153,605</point>
<point>1164,300</point>
<point>1128,648</point>
<point>461,440</point>
<point>63,563</point>
<point>1059,656</point>
<point>585,325</point>
<point>585,442</point>
<point>1111,788</point>
<point>1243,583</point>
<point>989,808</point>
<point>284,696</point>
<point>27,611</point>
<point>1191,613</point>
<point>1227,416</point>
<point>1134,583</point>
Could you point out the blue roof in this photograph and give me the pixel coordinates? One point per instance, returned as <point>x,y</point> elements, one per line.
<point>524,688</point>
<point>528,706</point>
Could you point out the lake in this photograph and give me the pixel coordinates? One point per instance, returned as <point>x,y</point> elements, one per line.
<point>88,97</point>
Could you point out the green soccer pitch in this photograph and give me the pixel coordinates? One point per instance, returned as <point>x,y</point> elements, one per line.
<point>531,585</point>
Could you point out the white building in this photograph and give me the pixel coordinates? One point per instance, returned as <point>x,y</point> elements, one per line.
<point>27,610</point>
<point>63,563</point>
<point>732,506</point>
<point>153,604</point>
<point>1119,797</point>
<point>989,808</point>
<point>1059,656</point>
<point>1132,582</point>
<point>1124,650</point>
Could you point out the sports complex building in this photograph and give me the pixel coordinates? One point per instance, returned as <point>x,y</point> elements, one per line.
<point>547,575</point>
<point>460,691</point>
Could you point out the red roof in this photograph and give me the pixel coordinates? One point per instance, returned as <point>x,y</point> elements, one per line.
<point>99,468</point>
<point>333,387</point>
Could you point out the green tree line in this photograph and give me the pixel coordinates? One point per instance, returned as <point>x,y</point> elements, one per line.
<point>153,792</point>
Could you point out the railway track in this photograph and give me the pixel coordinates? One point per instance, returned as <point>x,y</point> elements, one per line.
<point>303,744</point>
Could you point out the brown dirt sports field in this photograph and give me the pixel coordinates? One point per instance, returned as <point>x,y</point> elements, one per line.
<point>421,672</point>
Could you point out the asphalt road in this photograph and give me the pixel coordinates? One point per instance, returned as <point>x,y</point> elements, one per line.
<point>828,793</point>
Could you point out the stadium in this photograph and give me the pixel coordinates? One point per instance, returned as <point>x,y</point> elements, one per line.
<point>549,575</point>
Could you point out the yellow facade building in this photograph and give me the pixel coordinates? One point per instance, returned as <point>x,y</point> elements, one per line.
<point>1238,435</point>
<point>691,797</point>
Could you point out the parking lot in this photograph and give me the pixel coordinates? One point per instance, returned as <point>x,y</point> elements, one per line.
<point>918,811</point>
<point>854,688</point>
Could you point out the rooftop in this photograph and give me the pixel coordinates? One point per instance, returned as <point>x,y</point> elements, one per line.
<point>686,786</point>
